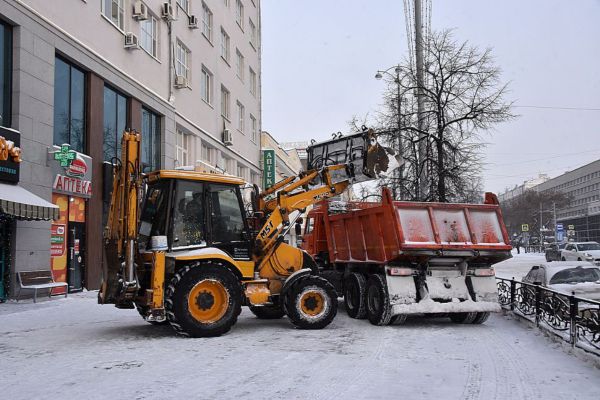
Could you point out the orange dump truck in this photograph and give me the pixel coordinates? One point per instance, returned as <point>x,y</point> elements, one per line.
<point>392,258</point>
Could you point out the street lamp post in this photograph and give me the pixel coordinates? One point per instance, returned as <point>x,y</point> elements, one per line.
<point>397,174</point>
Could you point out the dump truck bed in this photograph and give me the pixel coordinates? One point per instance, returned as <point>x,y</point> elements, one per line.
<point>379,233</point>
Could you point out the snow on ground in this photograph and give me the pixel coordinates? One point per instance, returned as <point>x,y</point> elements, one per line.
<point>519,265</point>
<point>74,348</point>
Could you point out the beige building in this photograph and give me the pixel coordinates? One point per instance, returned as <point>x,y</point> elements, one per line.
<point>287,162</point>
<point>184,73</point>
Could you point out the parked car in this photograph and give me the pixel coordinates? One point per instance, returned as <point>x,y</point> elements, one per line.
<point>581,251</point>
<point>553,251</point>
<point>567,277</point>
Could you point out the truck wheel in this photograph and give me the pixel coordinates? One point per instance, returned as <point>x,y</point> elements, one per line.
<point>355,296</point>
<point>143,311</point>
<point>481,318</point>
<point>311,303</point>
<point>463,317</point>
<point>398,319</point>
<point>203,300</point>
<point>267,312</point>
<point>379,309</point>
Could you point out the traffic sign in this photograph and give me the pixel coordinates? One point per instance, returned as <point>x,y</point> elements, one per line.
<point>571,227</point>
<point>559,227</point>
<point>525,228</point>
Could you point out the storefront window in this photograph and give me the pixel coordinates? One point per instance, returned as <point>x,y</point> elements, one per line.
<point>5,74</point>
<point>69,105</point>
<point>150,140</point>
<point>115,118</point>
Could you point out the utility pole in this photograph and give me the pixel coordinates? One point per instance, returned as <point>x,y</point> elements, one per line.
<point>422,164</point>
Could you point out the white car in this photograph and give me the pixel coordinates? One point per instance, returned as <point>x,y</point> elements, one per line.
<point>581,251</point>
<point>567,277</point>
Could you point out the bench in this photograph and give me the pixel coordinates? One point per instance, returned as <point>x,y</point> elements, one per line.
<point>38,280</point>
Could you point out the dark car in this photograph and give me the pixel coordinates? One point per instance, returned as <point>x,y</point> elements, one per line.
<point>553,251</point>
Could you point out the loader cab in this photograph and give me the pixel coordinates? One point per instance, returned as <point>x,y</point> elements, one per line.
<point>314,240</point>
<point>195,213</point>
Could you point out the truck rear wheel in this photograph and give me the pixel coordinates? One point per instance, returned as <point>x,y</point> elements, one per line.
<point>481,318</point>
<point>311,303</point>
<point>203,300</point>
<point>355,295</point>
<point>267,312</point>
<point>463,317</point>
<point>379,309</point>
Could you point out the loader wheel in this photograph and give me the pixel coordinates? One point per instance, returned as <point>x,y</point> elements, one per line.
<point>355,296</point>
<point>311,303</point>
<point>143,311</point>
<point>379,309</point>
<point>481,318</point>
<point>267,312</point>
<point>203,300</point>
<point>463,317</point>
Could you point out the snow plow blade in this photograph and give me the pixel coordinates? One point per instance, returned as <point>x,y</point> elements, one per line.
<point>365,157</point>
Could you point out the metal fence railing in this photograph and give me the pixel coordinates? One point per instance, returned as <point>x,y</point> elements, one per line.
<point>574,319</point>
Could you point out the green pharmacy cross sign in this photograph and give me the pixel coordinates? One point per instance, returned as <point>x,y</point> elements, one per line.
<point>65,155</point>
<point>268,168</point>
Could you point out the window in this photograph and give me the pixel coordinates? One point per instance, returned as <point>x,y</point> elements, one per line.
<point>113,10</point>
<point>239,64</point>
<point>182,61</point>
<point>182,147</point>
<point>207,22</point>
<point>115,119</point>
<point>207,154</point>
<point>239,13</point>
<point>184,4</point>
<point>225,45</point>
<point>252,82</point>
<point>226,217</point>
<point>5,74</point>
<point>150,141</point>
<point>254,127</point>
<point>149,36</point>
<point>241,116</point>
<point>189,220</point>
<point>69,105</point>
<point>206,85</point>
<point>253,33</point>
<point>225,109</point>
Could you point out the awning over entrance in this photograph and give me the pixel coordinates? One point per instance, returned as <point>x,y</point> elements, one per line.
<point>21,203</point>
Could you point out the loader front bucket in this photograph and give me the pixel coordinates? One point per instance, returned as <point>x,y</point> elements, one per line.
<point>362,152</point>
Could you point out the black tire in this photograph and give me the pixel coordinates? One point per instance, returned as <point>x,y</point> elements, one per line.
<point>481,318</point>
<point>379,309</point>
<point>143,311</point>
<point>267,312</point>
<point>183,285</point>
<point>355,299</point>
<point>398,319</point>
<point>311,303</point>
<point>463,317</point>
<point>563,259</point>
<point>578,258</point>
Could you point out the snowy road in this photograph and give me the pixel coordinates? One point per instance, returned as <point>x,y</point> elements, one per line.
<point>74,348</point>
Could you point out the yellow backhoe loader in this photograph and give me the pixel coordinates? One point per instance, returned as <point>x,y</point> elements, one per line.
<point>180,247</point>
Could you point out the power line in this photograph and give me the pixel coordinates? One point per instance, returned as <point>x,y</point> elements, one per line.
<point>558,108</point>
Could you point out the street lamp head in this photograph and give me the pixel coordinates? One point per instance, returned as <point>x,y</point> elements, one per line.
<point>378,75</point>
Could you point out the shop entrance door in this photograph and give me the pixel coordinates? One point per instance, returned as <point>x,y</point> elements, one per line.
<point>76,256</point>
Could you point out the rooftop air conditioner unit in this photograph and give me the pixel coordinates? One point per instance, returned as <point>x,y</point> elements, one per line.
<point>180,82</point>
<point>131,41</point>
<point>193,22</point>
<point>167,12</point>
<point>140,11</point>
<point>227,138</point>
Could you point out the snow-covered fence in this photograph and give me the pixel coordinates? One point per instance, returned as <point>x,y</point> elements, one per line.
<point>574,319</point>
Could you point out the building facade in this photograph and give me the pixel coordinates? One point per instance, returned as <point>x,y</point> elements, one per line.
<point>184,73</point>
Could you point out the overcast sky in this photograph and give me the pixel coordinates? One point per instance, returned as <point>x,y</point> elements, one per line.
<point>320,57</point>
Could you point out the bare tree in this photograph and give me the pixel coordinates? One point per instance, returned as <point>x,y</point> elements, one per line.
<point>463,98</point>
